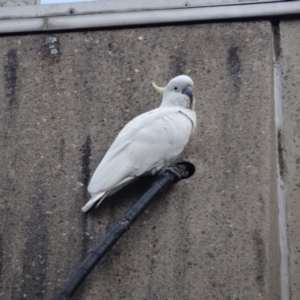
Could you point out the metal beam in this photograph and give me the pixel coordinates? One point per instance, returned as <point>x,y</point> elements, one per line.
<point>108,6</point>
<point>50,21</point>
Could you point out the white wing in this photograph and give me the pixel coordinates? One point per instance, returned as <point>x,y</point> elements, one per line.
<point>146,144</point>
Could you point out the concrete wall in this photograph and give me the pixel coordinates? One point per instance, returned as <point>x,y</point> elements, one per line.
<point>65,96</point>
<point>290,56</point>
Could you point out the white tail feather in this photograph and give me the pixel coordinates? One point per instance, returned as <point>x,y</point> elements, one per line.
<point>93,200</point>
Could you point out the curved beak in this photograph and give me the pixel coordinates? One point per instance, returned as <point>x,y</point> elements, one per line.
<point>189,92</point>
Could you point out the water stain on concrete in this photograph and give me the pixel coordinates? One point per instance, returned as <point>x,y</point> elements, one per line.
<point>234,68</point>
<point>85,162</point>
<point>35,255</point>
<point>277,38</point>
<point>260,257</point>
<point>280,149</point>
<point>85,178</point>
<point>10,82</point>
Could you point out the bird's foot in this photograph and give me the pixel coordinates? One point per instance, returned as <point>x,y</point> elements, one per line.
<point>170,170</point>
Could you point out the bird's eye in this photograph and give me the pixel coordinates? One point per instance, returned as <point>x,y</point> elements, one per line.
<point>175,88</point>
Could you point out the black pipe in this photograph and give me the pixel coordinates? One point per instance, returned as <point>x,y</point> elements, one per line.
<point>181,170</point>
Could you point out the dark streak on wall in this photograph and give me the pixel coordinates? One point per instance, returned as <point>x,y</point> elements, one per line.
<point>259,246</point>
<point>35,255</point>
<point>85,178</point>
<point>234,68</point>
<point>10,75</point>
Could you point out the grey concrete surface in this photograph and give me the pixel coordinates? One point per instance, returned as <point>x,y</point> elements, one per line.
<point>290,44</point>
<point>65,96</point>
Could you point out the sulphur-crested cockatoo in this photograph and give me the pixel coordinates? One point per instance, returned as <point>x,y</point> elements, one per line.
<point>147,144</point>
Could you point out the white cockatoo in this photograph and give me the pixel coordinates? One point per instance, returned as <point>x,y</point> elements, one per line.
<point>147,144</point>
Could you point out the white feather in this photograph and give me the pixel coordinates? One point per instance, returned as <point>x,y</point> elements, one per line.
<point>145,145</point>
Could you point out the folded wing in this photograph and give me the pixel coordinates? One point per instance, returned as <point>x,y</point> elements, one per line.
<point>146,144</point>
